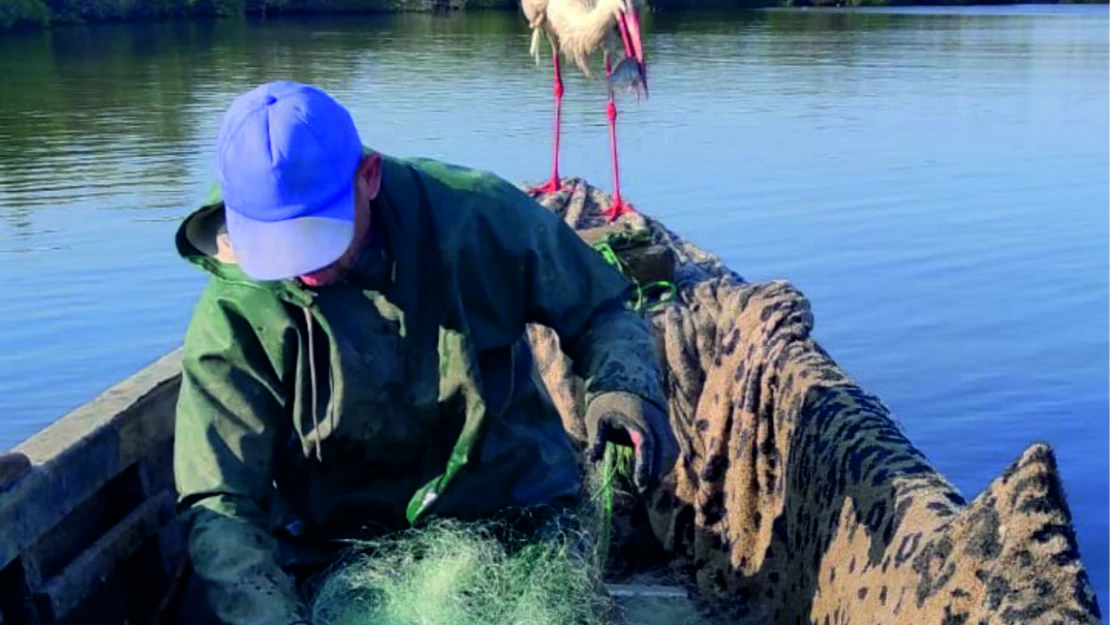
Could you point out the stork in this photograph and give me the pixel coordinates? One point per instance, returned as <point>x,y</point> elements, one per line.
<point>578,29</point>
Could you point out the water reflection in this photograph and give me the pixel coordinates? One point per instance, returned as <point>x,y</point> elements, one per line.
<point>88,109</point>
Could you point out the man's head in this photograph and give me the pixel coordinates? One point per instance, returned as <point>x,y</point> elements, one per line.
<point>296,183</point>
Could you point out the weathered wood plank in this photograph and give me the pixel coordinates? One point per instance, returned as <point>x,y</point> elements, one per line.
<point>77,455</point>
<point>15,600</point>
<point>648,262</point>
<point>66,590</point>
<point>656,591</point>
<point>13,466</point>
<point>82,527</point>
<point>656,604</point>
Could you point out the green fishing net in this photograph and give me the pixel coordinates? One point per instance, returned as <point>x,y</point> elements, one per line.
<point>451,573</point>
<point>479,573</point>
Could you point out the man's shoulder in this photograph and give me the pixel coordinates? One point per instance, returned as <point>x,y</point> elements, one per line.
<point>462,196</point>
<point>474,213</point>
<point>462,178</point>
<point>462,189</point>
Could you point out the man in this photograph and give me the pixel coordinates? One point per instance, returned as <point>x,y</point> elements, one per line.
<point>358,362</point>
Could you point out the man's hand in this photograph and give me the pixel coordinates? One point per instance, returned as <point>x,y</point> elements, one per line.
<point>626,419</point>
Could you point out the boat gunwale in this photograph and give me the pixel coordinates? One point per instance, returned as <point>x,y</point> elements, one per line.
<point>103,437</point>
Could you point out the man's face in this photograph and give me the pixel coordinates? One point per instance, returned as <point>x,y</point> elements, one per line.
<point>367,183</point>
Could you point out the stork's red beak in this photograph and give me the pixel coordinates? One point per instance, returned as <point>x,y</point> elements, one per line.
<point>630,34</point>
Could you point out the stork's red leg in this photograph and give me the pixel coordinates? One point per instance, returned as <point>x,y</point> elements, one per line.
<point>556,183</point>
<point>619,206</point>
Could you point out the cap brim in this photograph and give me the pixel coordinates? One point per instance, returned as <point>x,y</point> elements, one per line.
<point>277,250</point>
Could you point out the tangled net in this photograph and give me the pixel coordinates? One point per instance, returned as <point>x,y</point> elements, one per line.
<point>448,572</point>
<point>451,573</point>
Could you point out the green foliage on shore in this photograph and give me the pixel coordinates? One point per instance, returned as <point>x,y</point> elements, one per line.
<point>16,13</point>
<point>41,13</point>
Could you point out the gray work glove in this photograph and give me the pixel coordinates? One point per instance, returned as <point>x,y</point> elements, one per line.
<point>629,420</point>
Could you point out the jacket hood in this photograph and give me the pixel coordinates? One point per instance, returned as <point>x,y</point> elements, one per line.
<point>202,240</point>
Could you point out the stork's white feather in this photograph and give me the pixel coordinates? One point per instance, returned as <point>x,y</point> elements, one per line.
<point>576,28</point>
<point>535,49</point>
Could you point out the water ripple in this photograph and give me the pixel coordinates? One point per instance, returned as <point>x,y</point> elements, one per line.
<point>935,180</point>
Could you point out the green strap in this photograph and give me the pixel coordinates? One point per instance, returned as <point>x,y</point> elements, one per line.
<point>644,292</point>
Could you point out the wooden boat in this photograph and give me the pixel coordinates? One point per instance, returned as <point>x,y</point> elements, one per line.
<point>797,498</point>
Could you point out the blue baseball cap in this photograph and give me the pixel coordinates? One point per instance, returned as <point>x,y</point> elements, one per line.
<point>286,158</point>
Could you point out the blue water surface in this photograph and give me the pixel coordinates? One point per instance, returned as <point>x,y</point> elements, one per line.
<point>935,180</point>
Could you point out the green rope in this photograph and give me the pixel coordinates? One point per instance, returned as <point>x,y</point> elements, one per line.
<point>618,460</point>
<point>644,292</point>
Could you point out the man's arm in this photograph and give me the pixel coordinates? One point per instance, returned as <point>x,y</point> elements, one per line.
<point>585,301</point>
<point>568,287</point>
<point>229,419</point>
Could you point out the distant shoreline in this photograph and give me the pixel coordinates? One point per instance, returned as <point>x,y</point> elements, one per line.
<point>39,14</point>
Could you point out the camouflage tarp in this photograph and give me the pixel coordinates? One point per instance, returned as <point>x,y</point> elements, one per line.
<point>797,498</point>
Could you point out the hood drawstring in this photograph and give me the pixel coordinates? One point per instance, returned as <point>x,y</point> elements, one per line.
<point>312,382</point>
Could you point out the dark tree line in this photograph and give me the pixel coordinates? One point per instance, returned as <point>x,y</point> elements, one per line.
<point>44,13</point>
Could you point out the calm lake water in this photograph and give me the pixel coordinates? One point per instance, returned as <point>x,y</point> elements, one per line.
<point>934,180</point>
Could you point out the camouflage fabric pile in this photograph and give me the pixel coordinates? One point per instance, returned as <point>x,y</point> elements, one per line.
<point>797,498</point>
